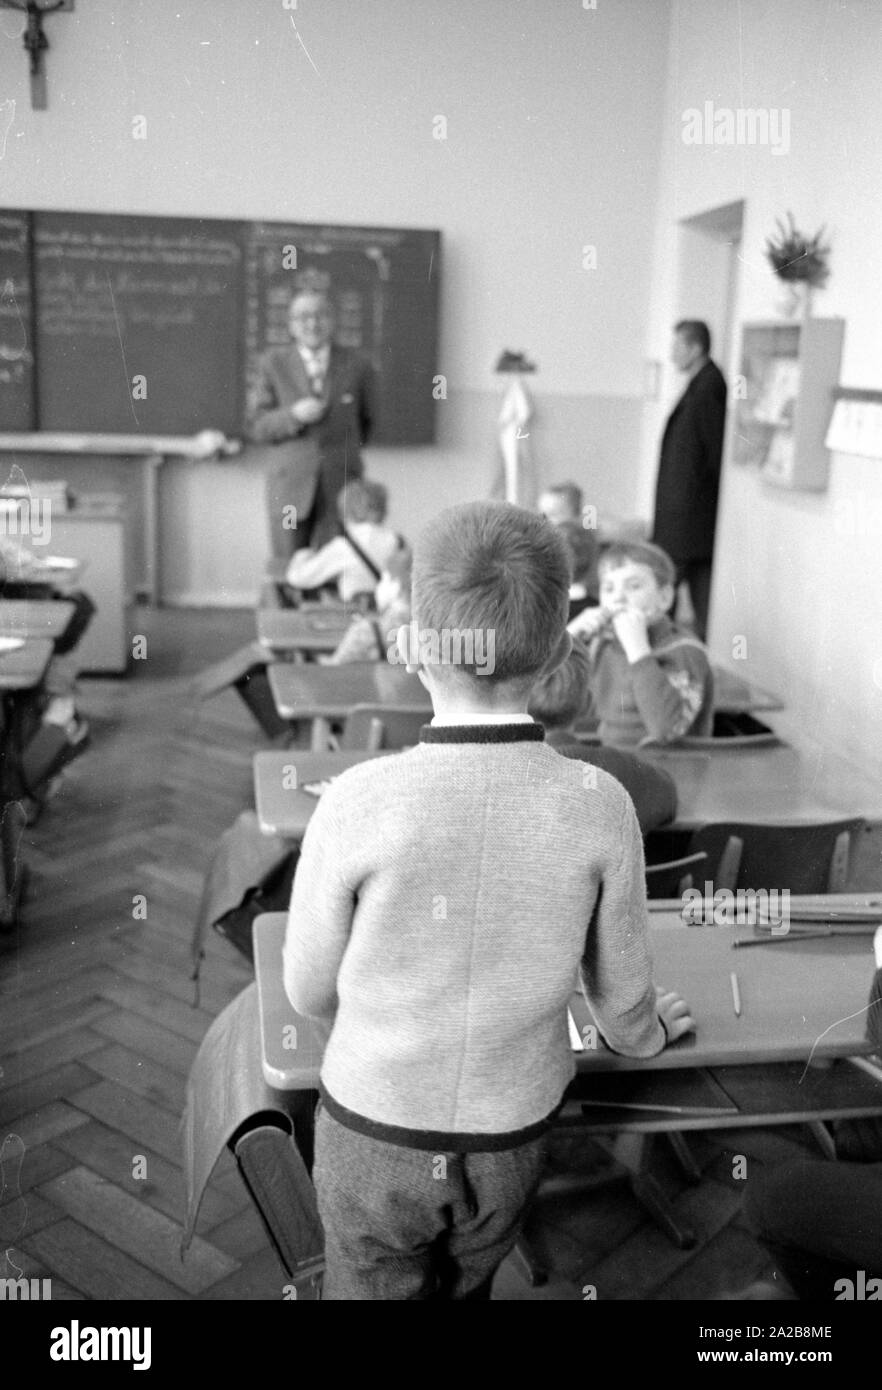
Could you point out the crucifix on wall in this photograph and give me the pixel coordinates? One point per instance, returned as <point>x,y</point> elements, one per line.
<point>35,41</point>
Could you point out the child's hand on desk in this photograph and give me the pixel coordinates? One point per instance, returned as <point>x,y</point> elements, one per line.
<point>674,1013</point>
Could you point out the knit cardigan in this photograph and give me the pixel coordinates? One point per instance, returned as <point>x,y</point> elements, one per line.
<point>446,901</point>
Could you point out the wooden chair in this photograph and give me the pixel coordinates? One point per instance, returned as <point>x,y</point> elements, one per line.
<point>804,858</point>
<point>378,727</point>
<point>229,1105</point>
<point>673,877</point>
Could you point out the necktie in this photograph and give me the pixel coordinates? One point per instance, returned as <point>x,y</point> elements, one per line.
<point>316,376</point>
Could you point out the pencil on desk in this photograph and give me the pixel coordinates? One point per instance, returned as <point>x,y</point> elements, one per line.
<point>660,1109</point>
<point>778,940</point>
<point>736,994</point>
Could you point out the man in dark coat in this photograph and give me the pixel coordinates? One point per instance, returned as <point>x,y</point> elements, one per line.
<point>312,403</point>
<point>689,469</point>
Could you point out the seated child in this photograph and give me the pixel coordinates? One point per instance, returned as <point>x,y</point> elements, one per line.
<point>650,680</point>
<point>445,899</point>
<point>355,559</point>
<point>558,699</point>
<point>25,575</point>
<point>561,502</point>
<point>581,544</point>
<point>369,637</point>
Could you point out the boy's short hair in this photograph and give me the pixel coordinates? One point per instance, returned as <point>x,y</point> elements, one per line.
<point>490,567</point>
<point>581,544</point>
<point>695,331</point>
<point>640,553</point>
<point>557,699</point>
<point>362,500</point>
<point>571,493</point>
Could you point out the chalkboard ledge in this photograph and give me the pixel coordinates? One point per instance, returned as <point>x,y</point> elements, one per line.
<point>47,443</point>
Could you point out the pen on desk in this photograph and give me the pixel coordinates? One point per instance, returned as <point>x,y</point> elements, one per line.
<point>779,940</point>
<point>660,1109</point>
<point>736,994</point>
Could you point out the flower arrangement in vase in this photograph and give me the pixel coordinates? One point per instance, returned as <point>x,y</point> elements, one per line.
<point>800,262</point>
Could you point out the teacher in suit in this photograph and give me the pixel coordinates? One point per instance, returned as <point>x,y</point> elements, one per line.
<point>312,402</point>
<point>689,469</point>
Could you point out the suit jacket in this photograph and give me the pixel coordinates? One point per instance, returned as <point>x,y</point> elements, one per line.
<point>330,448</point>
<point>689,469</point>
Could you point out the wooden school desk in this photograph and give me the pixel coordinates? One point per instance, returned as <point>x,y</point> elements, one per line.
<point>735,694</point>
<point>283,807</point>
<point>34,618</point>
<point>23,668</point>
<point>293,630</point>
<point>770,785</point>
<point>766,785</point>
<point>801,1003</point>
<point>324,693</point>
<point>20,671</point>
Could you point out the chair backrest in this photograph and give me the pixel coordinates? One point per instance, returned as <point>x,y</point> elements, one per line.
<point>804,858</point>
<point>375,727</point>
<point>672,878</point>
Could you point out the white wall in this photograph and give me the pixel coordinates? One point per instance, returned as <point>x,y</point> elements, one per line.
<point>791,574</point>
<point>553,118</point>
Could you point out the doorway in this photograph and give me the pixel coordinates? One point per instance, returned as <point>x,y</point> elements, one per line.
<point>708,249</point>
<point>708,259</point>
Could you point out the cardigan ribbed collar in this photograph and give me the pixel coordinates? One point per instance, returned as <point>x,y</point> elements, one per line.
<point>482,733</point>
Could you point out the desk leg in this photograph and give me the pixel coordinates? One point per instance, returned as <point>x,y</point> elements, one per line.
<point>150,480</point>
<point>684,1155</point>
<point>12,816</point>
<point>12,871</point>
<point>823,1138</point>
<point>634,1152</point>
<point>7,902</point>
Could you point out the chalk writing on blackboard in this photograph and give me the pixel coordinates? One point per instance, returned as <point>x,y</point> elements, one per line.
<point>84,273</point>
<point>16,345</point>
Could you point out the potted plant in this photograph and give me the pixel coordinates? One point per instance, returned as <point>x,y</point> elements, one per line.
<point>800,262</point>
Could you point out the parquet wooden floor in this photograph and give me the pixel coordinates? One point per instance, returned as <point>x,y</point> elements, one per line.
<point>98,1030</point>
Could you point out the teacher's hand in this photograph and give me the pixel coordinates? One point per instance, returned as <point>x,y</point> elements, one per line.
<point>308,409</point>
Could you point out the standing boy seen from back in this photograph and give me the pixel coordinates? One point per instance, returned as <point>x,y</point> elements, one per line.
<point>445,901</point>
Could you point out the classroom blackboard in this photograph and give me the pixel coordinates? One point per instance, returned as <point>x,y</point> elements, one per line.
<point>153,325</point>
<point>136,324</point>
<point>16,329</point>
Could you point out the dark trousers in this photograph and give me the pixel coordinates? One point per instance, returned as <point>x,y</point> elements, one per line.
<point>821,1222</point>
<point>696,575</point>
<point>408,1224</point>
